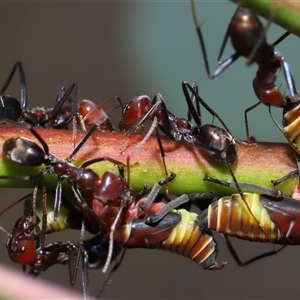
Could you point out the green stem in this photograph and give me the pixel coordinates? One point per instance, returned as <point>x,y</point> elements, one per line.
<point>284,13</point>
<point>257,163</point>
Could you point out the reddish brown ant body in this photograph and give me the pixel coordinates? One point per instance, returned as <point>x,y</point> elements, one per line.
<point>26,243</point>
<point>217,141</point>
<point>27,153</point>
<point>248,38</point>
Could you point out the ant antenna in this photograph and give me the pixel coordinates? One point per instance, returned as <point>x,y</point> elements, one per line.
<point>111,239</point>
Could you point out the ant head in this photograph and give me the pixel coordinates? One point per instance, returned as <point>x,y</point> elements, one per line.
<point>133,110</point>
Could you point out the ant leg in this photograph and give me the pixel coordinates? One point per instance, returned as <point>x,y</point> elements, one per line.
<point>246,121</point>
<point>254,259</point>
<point>185,87</point>
<point>23,84</point>
<point>109,276</point>
<point>99,159</point>
<point>280,39</point>
<point>288,78</point>
<point>74,263</point>
<point>111,239</point>
<point>155,191</point>
<point>57,201</point>
<point>224,64</point>
<point>153,217</point>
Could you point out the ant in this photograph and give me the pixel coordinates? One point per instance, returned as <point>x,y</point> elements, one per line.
<point>206,137</point>
<point>27,153</point>
<point>218,142</point>
<point>26,243</point>
<point>248,38</point>
<point>27,248</point>
<point>12,111</point>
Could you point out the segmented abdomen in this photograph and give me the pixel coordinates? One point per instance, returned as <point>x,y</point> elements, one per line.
<point>230,215</point>
<point>292,122</point>
<point>190,240</point>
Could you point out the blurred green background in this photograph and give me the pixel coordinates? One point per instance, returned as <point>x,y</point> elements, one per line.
<point>129,48</point>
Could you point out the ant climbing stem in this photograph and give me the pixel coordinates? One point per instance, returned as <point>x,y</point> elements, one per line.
<point>248,38</point>
<point>27,153</point>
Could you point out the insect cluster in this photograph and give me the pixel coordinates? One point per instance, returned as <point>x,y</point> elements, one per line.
<point>109,208</point>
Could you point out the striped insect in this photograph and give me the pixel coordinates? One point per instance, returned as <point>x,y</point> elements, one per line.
<point>278,215</point>
<point>160,226</point>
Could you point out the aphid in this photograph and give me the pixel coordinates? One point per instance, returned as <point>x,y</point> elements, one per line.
<point>159,226</point>
<point>248,38</point>
<point>278,216</point>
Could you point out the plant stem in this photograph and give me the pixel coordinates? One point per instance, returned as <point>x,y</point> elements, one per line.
<point>257,163</point>
<point>284,13</point>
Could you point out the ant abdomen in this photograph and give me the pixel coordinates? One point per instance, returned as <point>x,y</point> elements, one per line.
<point>219,139</point>
<point>23,151</point>
<point>10,108</point>
<point>245,30</point>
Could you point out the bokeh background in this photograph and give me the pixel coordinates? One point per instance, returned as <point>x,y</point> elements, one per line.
<point>129,48</point>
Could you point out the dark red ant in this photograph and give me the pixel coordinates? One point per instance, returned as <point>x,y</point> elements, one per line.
<point>13,111</point>
<point>26,243</point>
<point>27,153</point>
<point>22,245</point>
<point>123,216</point>
<point>248,38</point>
<point>216,141</point>
<point>180,129</point>
<point>110,203</point>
